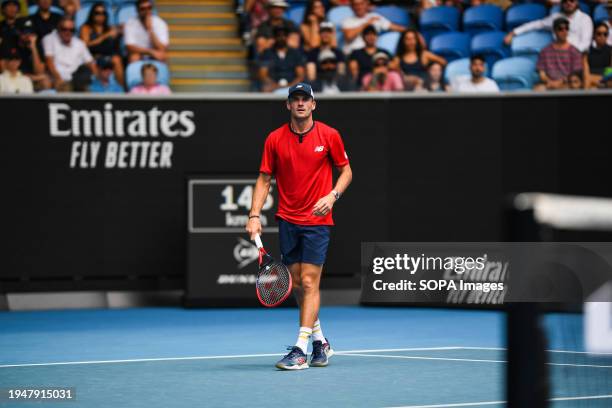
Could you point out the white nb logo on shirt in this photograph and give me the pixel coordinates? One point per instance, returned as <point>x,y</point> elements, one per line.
<point>319,149</point>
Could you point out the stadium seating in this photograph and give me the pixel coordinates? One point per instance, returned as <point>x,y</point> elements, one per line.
<point>451,46</point>
<point>437,20</point>
<point>490,45</point>
<point>515,73</point>
<point>296,14</point>
<point>600,14</point>
<point>126,11</point>
<point>54,9</point>
<point>395,14</point>
<point>487,17</point>
<point>81,15</point>
<point>524,13</point>
<point>530,44</point>
<point>388,41</point>
<point>337,14</point>
<point>133,76</point>
<point>583,6</point>
<point>460,67</point>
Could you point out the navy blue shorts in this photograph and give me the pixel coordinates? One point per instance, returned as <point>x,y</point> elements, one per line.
<point>303,243</point>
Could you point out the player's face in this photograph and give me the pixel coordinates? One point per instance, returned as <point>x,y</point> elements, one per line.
<point>301,106</point>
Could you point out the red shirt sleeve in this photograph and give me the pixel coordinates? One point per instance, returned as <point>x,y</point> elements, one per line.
<point>336,150</point>
<point>268,159</point>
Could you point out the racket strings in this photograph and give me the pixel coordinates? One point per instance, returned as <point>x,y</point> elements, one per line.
<point>273,283</point>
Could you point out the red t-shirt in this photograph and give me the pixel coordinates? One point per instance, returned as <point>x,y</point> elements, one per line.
<point>303,170</point>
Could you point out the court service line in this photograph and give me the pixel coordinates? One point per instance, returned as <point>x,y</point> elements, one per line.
<point>549,351</point>
<point>144,360</point>
<point>477,404</point>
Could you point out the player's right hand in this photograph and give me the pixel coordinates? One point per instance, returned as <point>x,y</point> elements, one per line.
<point>253,227</point>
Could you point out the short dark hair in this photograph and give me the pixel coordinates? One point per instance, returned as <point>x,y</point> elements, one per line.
<point>559,22</point>
<point>477,57</point>
<point>148,66</point>
<point>139,2</point>
<point>369,29</point>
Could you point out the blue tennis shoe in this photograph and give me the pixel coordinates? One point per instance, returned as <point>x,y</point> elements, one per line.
<point>295,360</point>
<point>321,352</point>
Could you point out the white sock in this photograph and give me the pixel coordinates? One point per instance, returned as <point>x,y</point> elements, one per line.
<point>317,332</point>
<point>303,337</point>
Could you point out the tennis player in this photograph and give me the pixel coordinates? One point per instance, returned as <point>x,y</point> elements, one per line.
<point>301,154</point>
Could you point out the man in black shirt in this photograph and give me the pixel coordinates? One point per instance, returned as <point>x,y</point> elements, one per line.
<point>280,66</point>
<point>42,22</point>
<point>360,61</point>
<point>326,31</point>
<point>9,34</point>
<point>264,38</point>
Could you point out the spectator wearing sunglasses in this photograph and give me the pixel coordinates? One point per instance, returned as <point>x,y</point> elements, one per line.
<point>382,78</point>
<point>558,59</point>
<point>146,35</point>
<point>65,53</point>
<point>581,25</point>
<point>599,56</point>
<point>102,39</point>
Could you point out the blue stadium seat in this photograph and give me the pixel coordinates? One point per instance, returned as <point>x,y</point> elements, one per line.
<point>600,14</point>
<point>388,41</point>
<point>107,3</point>
<point>54,9</point>
<point>451,46</point>
<point>487,17</point>
<point>460,67</point>
<point>524,13</point>
<point>340,39</point>
<point>296,14</point>
<point>125,12</point>
<point>133,76</point>
<point>515,73</point>
<point>337,14</point>
<point>395,14</point>
<point>530,44</point>
<point>491,46</point>
<point>437,20</point>
<point>583,6</point>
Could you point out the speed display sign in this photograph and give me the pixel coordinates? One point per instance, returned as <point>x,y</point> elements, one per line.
<point>221,259</point>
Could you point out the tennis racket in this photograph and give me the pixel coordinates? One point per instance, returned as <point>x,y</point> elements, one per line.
<point>273,280</point>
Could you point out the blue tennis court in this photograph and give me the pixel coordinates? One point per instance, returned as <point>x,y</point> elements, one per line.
<point>385,357</point>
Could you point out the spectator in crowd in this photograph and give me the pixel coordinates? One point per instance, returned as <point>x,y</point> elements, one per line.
<point>32,60</point>
<point>149,85</point>
<point>329,79</point>
<point>360,61</point>
<point>598,58</point>
<point>434,81</point>
<point>280,66</point>
<point>146,35</point>
<point>102,39</point>
<point>609,23</point>
<point>42,22</point>
<point>477,81</point>
<point>574,80</point>
<point>22,9</point>
<point>9,31</point>
<point>264,37</point>
<point>65,53</point>
<point>12,80</point>
<point>64,3</point>
<point>105,82</point>
<point>70,9</point>
<point>81,79</point>
<point>412,58</point>
<point>255,13</point>
<point>314,15</point>
<point>558,59</point>
<point>352,27</point>
<point>382,78</point>
<point>327,44</point>
<point>581,25</point>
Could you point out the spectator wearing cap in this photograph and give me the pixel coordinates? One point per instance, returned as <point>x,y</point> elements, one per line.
<point>581,25</point>
<point>280,66</point>
<point>558,59</point>
<point>43,22</point>
<point>329,79</point>
<point>65,53</point>
<point>264,38</point>
<point>146,35</point>
<point>412,59</point>
<point>102,39</point>
<point>310,28</point>
<point>476,82</point>
<point>105,82</point>
<point>598,58</point>
<point>327,44</point>
<point>382,78</point>
<point>149,85</point>
<point>31,54</point>
<point>12,80</point>
<point>360,61</point>
<point>353,27</point>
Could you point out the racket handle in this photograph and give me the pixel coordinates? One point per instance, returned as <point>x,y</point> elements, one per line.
<point>258,241</point>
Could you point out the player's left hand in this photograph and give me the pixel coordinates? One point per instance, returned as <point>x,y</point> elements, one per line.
<point>324,205</point>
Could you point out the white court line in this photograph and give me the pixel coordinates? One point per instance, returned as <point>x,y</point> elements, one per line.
<point>549,351</point>
<point>141,360</point>
<point>477,404</point>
